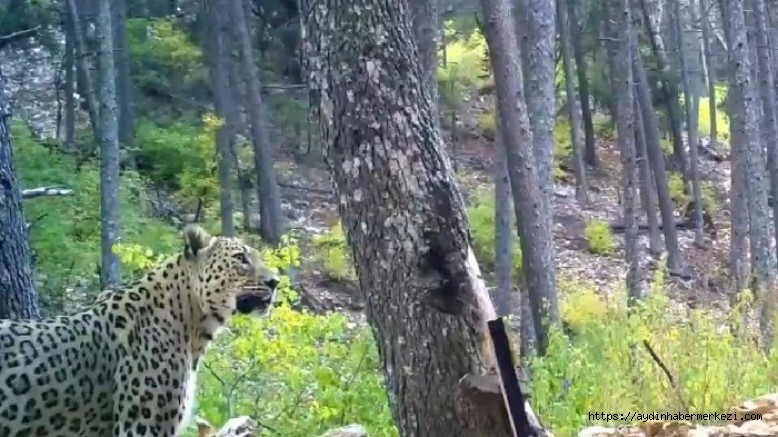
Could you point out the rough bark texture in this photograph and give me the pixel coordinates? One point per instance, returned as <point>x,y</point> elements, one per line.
<point>424,15</point>
<point>18,298</point>
<point>531,204</point>
<point>109,149</point>
<point>657,160</point>
<point>769,128</point>
<point>762,260</point>
<point>68,65</point>
<point>621,77</point>
<point>402,213</point>
<point>503,233</point>
<point>271,216</point>
<point>590,153</point>
<point>572,102</point>
<point>218,57</point>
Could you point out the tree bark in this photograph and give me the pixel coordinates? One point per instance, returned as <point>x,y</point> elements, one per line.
<point>647,193</point>
<point>218,50</point>
<point>110,273</point>
<point>692,117</point>
<point>657,160</point>
<point>619,54</point>
<point>124,89</point>
<point>710,63</point>
<point>70,86</point>
<point>424,15</point>
<point>402,214</point>
<point>271,216</point>
<point>82,65</point>
<point>531,205</point>
<point>503,232</point>
<point>590,152</point>
<point>769,128</point>
<point>18,297</point>
<point>572,98</point>
<point>762,260</point>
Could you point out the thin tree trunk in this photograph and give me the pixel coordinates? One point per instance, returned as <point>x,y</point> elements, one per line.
<point>218,49</point>
<point>271,216</point>
<point>710,63</point>
<point>572,99</point>
<point>657,160</point>
<point>18,297</point>
<point>82,64</point>
<point>124,89</point>
<point>531,204</point>
<point>424,15</point>
<point>647,193</point>
<point>590,151</point>
<point>692,116</point>
<point>70,87</point>
<point>109,150</point>
<point>670,88</point>
<point>621,78</point>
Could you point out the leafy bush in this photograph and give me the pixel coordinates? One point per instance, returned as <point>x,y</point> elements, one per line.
<point>722,119</point>
<point>605,366</point>
<point>332,252</point>
<point>65,231</point>
<point>563,145</point>
<point>481,217</point>
<point>604,127</point>
<point>465,65</point>
<point>675,185</point>
<point>599,237</point>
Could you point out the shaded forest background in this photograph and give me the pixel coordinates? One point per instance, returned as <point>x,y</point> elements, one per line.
<point>213,125</point>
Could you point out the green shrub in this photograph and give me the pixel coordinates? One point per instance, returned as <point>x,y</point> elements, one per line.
<point>604,127</point>
<point>599,237</point>
<point>465,66</point>
<point>675,185</point>
<point>481,218</point>
<point>722,119</point>
<point>605,366</point>
<point>563,146</point>
<point>65,231</point>
<point>332,252</point>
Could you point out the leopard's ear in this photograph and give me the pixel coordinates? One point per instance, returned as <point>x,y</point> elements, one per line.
<point>195,240</point>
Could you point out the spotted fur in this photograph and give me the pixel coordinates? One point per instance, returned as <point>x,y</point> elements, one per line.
<point>125,366</point>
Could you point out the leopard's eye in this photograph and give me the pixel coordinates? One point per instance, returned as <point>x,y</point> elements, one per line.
<point>242,258</point>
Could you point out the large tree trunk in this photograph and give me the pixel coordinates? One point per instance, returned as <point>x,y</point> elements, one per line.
<point>424,15</point>
<point>503,233</point>
<point>18,298</point>
<point>763,262</point>
<point>271,216</point>
<point>109,150</point>
<point>218,50</point>
<point>402,213</point>
<point>531,204</point>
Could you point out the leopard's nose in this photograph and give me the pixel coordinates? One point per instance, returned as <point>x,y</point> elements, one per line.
<point>272,283</point>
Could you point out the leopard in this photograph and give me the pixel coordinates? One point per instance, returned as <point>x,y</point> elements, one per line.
<point>126,364</point>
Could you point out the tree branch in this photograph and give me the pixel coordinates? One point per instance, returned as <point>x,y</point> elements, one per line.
<point>45,191</point>
<point>15,36</point>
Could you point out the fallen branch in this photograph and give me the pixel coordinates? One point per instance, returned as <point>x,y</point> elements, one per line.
<point>15,36</point>
<point>666,371</point>
<point>45,191</point>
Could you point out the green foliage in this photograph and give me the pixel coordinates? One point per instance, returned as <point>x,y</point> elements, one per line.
<point>675,185</point>
<point>599,237</point>
<point>332,251</point>
<point>180,156</point>
<point>604,366</point>
<point>604,127</point>
<point>300,373</point>
<point>465,65</point>
<point>22,15</point>
<point>722,119</point>
<point>563,145</point>
<point>482,222</point>
<point>65,232</point>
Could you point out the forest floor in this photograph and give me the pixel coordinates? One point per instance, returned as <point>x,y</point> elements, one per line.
<point>473,155</point>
